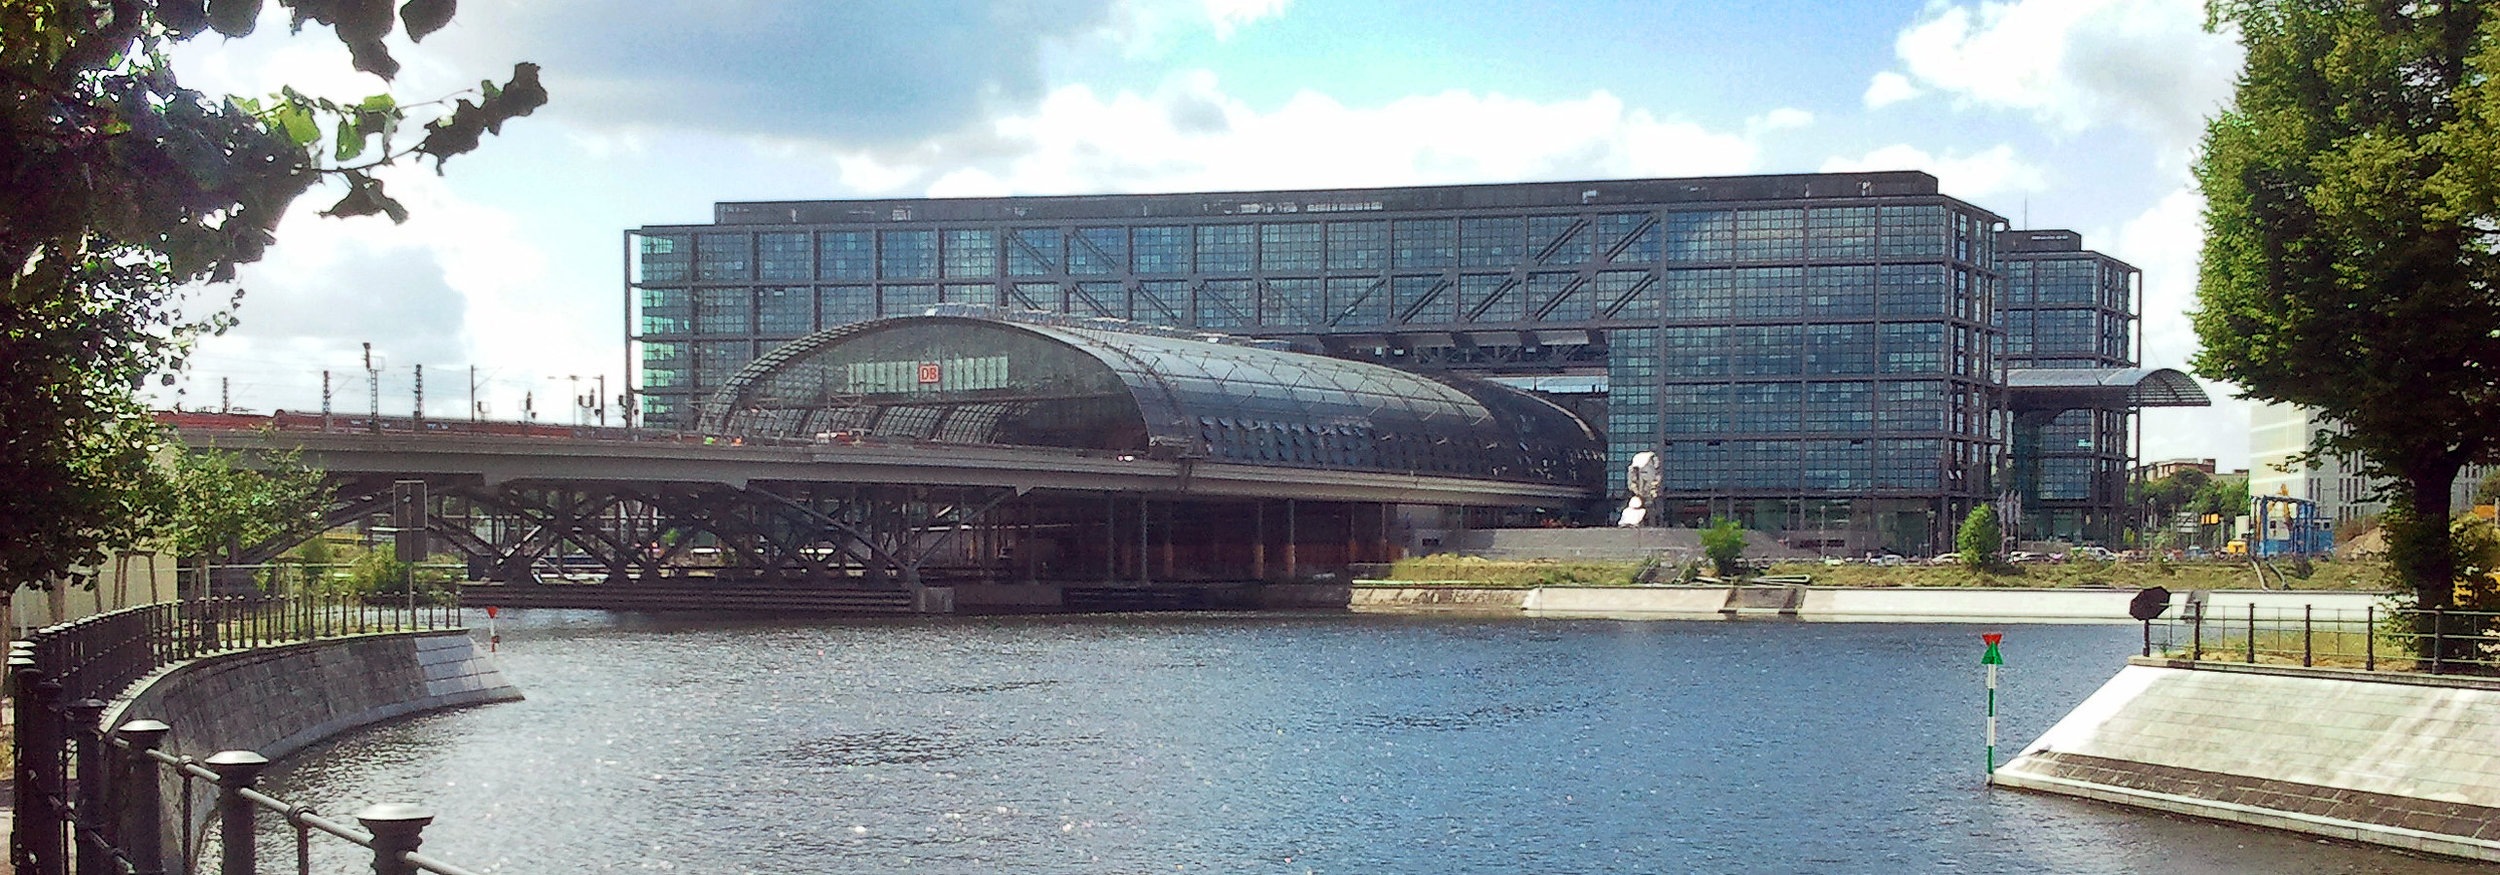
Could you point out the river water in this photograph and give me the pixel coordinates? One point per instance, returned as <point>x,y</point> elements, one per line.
<point>1264,743</point>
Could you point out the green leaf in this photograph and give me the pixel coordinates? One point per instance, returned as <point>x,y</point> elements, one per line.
<point>351,139</point>
<point>298,124</point>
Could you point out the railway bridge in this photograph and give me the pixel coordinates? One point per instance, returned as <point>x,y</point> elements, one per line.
<point>936,464</point>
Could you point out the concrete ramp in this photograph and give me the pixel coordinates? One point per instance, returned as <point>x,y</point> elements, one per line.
<point>2401,760</point>
<point>1764,601</point>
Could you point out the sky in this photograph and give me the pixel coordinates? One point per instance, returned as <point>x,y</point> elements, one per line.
<point>2075,114</point>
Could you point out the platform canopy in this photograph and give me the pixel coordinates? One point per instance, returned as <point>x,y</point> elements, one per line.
<point>2069,388</point>
<point>1112,387</point>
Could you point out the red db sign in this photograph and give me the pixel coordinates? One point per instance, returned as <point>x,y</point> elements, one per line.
<point>929,372</point>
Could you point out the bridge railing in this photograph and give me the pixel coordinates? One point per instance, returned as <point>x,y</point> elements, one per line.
<point>2369,639</point>
<point>92,801</point>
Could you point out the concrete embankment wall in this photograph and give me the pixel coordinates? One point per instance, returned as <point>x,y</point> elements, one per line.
<point>1829,604</point>
<point>2408,761</point>
<point>278,700</point>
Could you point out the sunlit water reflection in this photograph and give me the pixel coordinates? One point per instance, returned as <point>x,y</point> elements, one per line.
<point>1264,743</point>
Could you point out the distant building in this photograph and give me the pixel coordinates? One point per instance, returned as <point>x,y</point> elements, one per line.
<point>1825,356</point>
<point>2067,308</point>
<point>2167,467</point>
<point>2279,432</point>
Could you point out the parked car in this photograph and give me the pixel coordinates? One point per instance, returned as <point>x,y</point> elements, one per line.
<point>1946,559</point>
<point>2096,554</point>
<point>2021,556</point>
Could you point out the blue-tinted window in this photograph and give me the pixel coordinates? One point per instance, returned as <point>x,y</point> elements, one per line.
<point>784,311</point>
<point>1289,247</point>
<point>1631,238</point>
<point>1098,299</point>
<point>1159,302</point>
<point>1358,245</point>
<point>1913,232</point>
<point>1293,302</point>
<point>907,254</point>
<point>1226,303</point>
<point>782,256</point>
<point>1707,235</point>
<point>1098,251</point>
<point>724,311</point>
<point>1425,243</point>
<point>1036,296</point>
<point>1770,235</point>
<point>971,253</point>
<point>1358,301</point>
<point>667,311</point>
<point>1560,240</point>
<point>843,305</point>
<point>1033,252</point>
<point>906,300</point>
<point>1160,249</point>
<point>1700,294</point>
<point>1423,299</point>
<point>1840,291</point>
<point>1492,241</point>
<point>720,257</point>
<point>1626,294</point>
<point>1840,232</point>
<point>846,255</point>
<point>666,258</point>
<point>1493,297</point>
<point>1227,248</point>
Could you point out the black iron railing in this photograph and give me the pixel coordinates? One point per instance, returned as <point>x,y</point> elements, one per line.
<point>2369,639</point>
<point>92,801</point>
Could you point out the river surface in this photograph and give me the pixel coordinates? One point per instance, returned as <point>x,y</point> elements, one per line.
<point>1264,743</point>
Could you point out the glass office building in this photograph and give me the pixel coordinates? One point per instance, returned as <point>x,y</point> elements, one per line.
<point>1816,354</point>
<point>2066,308</point>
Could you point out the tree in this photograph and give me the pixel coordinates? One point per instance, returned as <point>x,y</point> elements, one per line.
<point>1723,543</point>
<point>1981,538</point>
<point>2352,201</point>
<point>124,188</point>
<point>219,507</point>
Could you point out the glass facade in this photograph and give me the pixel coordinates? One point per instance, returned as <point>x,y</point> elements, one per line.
<point>2068,308</point>
<point>965,380</point>
<point>1818,351</point>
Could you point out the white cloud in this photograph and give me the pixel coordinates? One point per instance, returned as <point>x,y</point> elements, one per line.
<point>1191,135</point>
<point>1888,88</point>
<point>2165,242</point>
<point>1782,119</point>
<point>2076,64</point>
<point>1991,172</point>
<point>1227,16</point>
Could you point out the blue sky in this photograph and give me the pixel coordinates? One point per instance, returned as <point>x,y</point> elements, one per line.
<point>2078,114</point>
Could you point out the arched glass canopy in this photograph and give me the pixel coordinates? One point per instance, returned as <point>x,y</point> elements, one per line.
<point>975,380</point>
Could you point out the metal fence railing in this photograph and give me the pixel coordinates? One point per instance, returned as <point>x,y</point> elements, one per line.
<point>94,800</point>
<point>2370,639</point>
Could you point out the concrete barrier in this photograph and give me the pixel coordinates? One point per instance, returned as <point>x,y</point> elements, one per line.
<point>2401,760</point>
<point>1664,603</point>
<point>1843,605</point>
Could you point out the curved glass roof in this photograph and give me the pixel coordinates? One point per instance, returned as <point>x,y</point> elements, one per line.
<point>977,380</point>
<point>2134,387</point>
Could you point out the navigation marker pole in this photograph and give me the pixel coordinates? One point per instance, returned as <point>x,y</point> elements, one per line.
<point>493,641</point>
<point>1992,659</point>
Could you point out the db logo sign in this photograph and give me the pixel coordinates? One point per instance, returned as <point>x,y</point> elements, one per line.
<point>929,372</point>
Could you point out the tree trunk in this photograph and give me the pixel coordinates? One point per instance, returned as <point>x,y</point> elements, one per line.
<point>2422,553</point>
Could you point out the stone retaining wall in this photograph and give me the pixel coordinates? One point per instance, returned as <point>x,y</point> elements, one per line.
<point>278,700</point>
<point>2400,760</point>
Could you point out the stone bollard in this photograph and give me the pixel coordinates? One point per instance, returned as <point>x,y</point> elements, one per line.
<point>142,802</point>
<point>397,829</point>
<point>237,770</point>
<point>91,836</point>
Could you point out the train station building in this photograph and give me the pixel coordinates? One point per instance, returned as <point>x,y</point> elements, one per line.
<point>1850,360</point>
